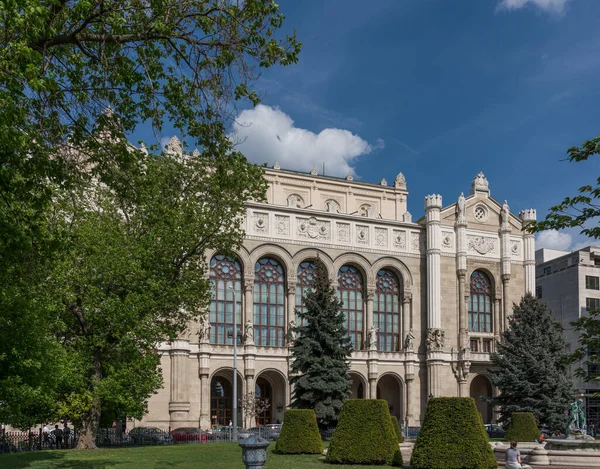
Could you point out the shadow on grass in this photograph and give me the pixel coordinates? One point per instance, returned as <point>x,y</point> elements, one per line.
<point>52,459</point>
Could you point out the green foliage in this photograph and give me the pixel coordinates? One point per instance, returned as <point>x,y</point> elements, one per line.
<point>397,428</point>
<point>522,427</point>
<point>299,433</point>
<point>397,459</point>
<point>100,244</point>
<point>321,352</point>
<point>364,434</point>
<point>531,367</point>
<point>452,437</point>
<point>582,209</point>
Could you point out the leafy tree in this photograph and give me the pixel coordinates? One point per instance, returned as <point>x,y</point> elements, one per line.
<point>320,352</point>
<point>253,406</point>
<point>531,366</point>
<point>101,244</point>
<point>581,211</point>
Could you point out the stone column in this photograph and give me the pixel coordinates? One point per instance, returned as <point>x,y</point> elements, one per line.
<point>406,318</point>
<point>248,300</point>
<point>368,323</point>
<point>497,319</point>
<point>505,301</point>
<point>409,373</point>
<point>291,307</point>
<point>433,206</point>
<point>204,373</point>
<point>179,402</point>
<point>527,217</point>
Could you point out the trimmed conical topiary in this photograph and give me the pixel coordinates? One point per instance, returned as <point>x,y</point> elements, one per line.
<point>397,428</point>
<point>299,433</point>
<point>364,434</point>
<point>522,427</point>
<point>452,437</point>
<point>397,459</point>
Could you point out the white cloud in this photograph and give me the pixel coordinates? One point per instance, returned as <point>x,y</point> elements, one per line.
<point>553,6</point>
<point>553,239</point>
<point>585,244</point>
<point>266,134</point>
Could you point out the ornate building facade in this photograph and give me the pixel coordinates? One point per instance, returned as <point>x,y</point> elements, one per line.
<point>424,300</point>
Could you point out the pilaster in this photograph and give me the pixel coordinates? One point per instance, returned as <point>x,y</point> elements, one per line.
<point>179,402</point>
<point>291,311</point>
<point>433,206</point>
<point>406,319</point>
<point>203,373</point>
<point>461,268</point>
<point>528,217</point>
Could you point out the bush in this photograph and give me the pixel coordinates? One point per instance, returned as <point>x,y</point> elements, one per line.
<point>364,434</point>
<point>397,459</point>
<point>397,428</point>
<point>299,433</point>
<point>452,437</point>
<point>522,427</point>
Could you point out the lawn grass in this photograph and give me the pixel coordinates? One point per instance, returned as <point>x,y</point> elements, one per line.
<point>209,456</point>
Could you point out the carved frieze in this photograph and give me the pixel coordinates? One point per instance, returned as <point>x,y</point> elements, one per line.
<point>414,241</point>
<point>282,225</point>
<point>399,239</point>
<point>515,248</point>
<point>261,223</point>
<point>381,237</point>
<point>343,232</point>
<point>447,239</point>
<point>482,245</point>
<point>311,228</point>
<point>362,234</point>
<point>435,339</point>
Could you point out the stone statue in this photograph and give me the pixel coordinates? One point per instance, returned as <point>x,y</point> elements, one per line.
<point>504,214</point>
<point>248,332</point>
<point>204,329</point>
<point>372,338</point>
<point>460,208</point>
<point>435,339</point>
<point>291,332</point>
<point>439,338</point>
<point>409,341</point>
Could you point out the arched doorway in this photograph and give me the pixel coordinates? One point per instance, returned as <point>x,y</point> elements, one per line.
<point>481,390</point>
<point>271,386</point>
<point>358,386</point>
<point>389,387</point>
<point>221,394</point>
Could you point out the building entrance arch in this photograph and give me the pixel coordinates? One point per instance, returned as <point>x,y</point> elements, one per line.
<point>481,391</point>
<point>221,398</point>
<point>389,388</point>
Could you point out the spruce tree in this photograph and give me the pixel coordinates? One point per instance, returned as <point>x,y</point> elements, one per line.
<point>320,352</point>
<point>531,367</point>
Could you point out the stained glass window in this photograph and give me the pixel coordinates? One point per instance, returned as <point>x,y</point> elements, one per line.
<point>350,291</point>
<point>480,303</point>
<point>386,311</point>
<point>306,273</point>
<point>224,270</point>
<point>269,303</point>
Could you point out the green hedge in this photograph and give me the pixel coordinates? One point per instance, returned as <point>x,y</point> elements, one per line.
<point>397,459</point>
<point>397,428</point>
<point>452,437</point>
<point>364,434</point>
<point>522,427</point>
<point>299,433</point>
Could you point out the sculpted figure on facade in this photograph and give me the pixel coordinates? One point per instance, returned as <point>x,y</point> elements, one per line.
<point>504,214</point>
<point>204,330</point>
<point>291,332</point>
<point>435,339</point>
<point>249,332</point>
<point>372,338</point>
<point>409,341</point>
<point>460,209</point>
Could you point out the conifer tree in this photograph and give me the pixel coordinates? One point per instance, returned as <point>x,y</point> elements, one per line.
<point>531,366</point>
<point>320,352</point>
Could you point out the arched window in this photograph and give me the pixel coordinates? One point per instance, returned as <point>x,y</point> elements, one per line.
<point>306,273</point>
<point>350,291</point>
<point>480,303</point>
<point>262,390</point>
<point>269,303</point>
<point>386,311</point>
<point>223,271</point>
<point>220,401</point>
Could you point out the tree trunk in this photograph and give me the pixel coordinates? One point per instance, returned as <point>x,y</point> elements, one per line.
<point>90,421</point>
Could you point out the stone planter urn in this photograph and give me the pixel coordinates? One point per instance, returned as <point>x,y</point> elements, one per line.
<point>254,452</point>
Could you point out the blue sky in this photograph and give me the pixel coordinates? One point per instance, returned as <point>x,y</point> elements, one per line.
<point>438,89</point>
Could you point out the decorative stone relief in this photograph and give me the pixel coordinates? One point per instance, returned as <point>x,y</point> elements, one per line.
<point>282,225</point>
<point>481,244</point>
<point>479,183</point>
<point>332,206</point>
<point>313,228</point>
<point>362,234</point>
<point>447,239</point>
<point>295,201</point>
<point>480,213</point>
<point>277,166</point>
<point>343,232</point>
<point>261,223</point>
<point>381,237</point>
<point>313,171</point>
<point>399,239</point>
<point>414,241</point>
<point>407,217</point>
<point>349,177</point>
<point>400,181</point>
<point>383,182</point>
<point>435,339</point>
<point>515,248</point>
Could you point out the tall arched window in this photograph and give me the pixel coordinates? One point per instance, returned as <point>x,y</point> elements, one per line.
<point>263,390</point>
<point>386,311</point>
<point>306,273</point>
<point>269,303</point>
<point>480,303</point>
<point>350,291</point>
<point>223,271</point>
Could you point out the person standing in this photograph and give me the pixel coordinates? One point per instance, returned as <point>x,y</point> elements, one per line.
<point>66,435</point>
<point>46,435</point>
<point>58,435</point>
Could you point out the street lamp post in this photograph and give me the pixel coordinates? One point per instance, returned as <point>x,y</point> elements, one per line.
<point>235,416</point>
